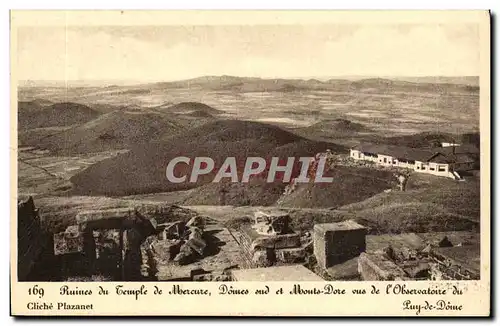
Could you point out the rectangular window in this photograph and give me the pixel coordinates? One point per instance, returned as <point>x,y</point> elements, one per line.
<point>441,168</point>
<point>432,169</point>
<point>385,160</point>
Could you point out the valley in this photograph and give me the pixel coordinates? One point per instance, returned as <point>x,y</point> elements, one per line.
<point>107,147</point>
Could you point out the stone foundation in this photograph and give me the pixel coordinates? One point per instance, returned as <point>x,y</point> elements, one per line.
<point>335,243</point>
<point>377,267</point>
<point>455,263</point>
<point>267,250</point>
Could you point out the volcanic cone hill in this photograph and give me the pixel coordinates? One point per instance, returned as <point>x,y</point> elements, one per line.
<point>114,130</point>
<point>199,114</point>
<point>188,108</point>
<point>34,115</point>
<point>258,192</point>
<point>339,126</point>
<point>35,104</point>
<point>336,130</point>
<point>142,170</point>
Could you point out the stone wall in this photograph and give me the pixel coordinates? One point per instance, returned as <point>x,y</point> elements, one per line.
<point>377,267</point>
<point>267,250</point>
<point>30,239</point>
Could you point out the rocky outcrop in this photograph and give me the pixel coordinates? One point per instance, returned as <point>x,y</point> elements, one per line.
<point>30,238</point>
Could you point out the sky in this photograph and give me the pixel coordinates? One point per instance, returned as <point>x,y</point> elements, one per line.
<point>166,53</point>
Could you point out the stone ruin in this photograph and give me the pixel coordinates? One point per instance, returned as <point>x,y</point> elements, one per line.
<point>269,240</point>
<point>104,241</point>
<point>133,243</point>
<point>336,243</point>
<point>219,275</point>
<point>435,260</point>
<point>181,242</point>
<point>452,263</point>
<point>186,251</point>
<point>267,224</point>
<point>30,237</point>
<point>342,251</point>
<point>70,241</point>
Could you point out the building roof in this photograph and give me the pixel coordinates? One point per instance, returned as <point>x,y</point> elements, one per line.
<point>436,155</point>
<point>400,152</point>
<point>451,158</point>
<point>462,149</point>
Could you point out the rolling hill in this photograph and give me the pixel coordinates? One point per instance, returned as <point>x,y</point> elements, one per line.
<point>252,84</point>
<point>336,127</point>
<point>349,185</point>
<point>114,130</point>
<point>188,108</point>
<point>142,170</point>
<point>34,115</point>
<point>430,204</point>
<point>35,104</point>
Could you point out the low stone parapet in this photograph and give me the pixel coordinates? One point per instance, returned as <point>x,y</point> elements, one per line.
<point>377,267</point>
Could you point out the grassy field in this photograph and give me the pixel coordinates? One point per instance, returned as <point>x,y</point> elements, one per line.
<point>430,204</point>
<point>41,174</point>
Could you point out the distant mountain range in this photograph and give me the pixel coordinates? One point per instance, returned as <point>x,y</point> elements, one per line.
<point>462,80</point>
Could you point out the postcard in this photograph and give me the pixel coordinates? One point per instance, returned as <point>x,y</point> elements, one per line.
<point>250,163</point>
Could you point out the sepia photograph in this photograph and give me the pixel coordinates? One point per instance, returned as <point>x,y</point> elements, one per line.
<point>276,151</point>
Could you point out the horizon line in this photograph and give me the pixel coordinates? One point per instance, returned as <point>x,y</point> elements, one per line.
<point>319,78</point>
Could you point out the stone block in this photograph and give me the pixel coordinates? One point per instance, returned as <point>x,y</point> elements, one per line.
<point>104,214</point>
<point>377,267</point>
<point>281,241</point>
<point>198,245</point>
<point>335,243</point>
<point>167,250</point>
<point>195,233</point>
<point>171,230</point>
<point>290,255</point>
<point>271,223</point>
<point>262,258</point>
<point>346,271</point>
<point>212,277</point>
<point>196,221</point>
<point>69,241</point>
<point>185,256</point>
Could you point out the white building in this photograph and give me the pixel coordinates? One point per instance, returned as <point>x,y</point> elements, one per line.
<point>445,144</point>
<point>446,162</point>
